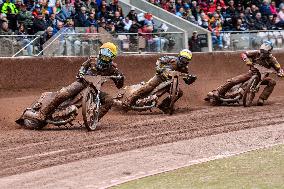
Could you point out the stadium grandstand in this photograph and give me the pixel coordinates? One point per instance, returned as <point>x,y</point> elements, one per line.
<point>79,27</point>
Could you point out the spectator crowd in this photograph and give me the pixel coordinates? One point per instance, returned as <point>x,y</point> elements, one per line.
<point>47,17</point>
<point>228,15</point>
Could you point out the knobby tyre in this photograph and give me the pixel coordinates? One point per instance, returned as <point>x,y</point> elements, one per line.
<point>249,93</point>
<point>173,95</point>
<point>90,109</point>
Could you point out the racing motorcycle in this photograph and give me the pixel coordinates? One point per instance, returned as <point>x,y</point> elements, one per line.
<point>150,100</point>
<point>91,102</point>
<point>244,92</point>
<point>67,111</point>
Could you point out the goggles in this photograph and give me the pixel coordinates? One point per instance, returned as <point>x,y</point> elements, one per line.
<point>105,58</point>
<point>184,60</point>
<point>106,55</point>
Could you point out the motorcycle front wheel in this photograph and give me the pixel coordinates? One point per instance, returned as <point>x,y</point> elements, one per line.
<point>173,95</point>
<point>249,93</point>
<point>90,109</point>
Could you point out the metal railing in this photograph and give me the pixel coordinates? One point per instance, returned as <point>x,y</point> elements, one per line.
<point>246,40</point>
<point>19,45</point>
<point>86,44</point>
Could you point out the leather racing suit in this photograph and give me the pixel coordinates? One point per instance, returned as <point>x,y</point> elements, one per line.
<point>90,67</point>
<point>254,57</point>
<point>163,64</point>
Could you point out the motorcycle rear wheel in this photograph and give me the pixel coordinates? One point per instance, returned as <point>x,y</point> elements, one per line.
<point>173,95</point>
<point>249,93</point>
<point>90,109</point>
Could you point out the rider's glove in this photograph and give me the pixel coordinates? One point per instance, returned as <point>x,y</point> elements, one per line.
<point>246,59</point>
<point>248,62</point>
<point>189,79</point>
<point>80,75</point>
<point>280,73</point>
<point>119,82</point>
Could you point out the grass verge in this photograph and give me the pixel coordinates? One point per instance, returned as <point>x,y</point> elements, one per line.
<point>257,169</point>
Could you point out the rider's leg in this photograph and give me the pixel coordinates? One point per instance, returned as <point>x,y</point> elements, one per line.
<point>61,95</point>
<point>146,88</point>
<point>107,102</point>
<point>270,84</point>
<point>164,105</point>
<point>223,89</point>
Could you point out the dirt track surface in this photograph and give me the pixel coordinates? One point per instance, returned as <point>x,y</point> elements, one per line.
<point>24,150</point>
<point>114,169</point>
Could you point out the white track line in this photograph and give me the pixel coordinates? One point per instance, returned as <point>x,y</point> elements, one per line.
<point>41,154</point>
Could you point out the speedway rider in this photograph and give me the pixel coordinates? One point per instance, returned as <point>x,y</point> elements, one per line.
<point>163,66</point>
<point>100,65</point>
<point>262,57</point>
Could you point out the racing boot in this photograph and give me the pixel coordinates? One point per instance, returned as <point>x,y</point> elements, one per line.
<point>214,93</point>
<point>164,105</point>
<point>270,84</point>
<point>260,102</point>
<point>107,103</point>
<point>104,109</point>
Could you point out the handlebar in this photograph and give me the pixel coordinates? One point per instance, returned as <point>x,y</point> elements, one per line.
<point>176,74</point>
<point>262,69</point>
<point>102,77</point>
<point>98,80</point>
<point>112,77</point>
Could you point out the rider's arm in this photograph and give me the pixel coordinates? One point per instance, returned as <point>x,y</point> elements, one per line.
<point>84,67</point>
<point>161,65</point>
<point>119,82</point>
<point>183,69</point>
<point>248,56</point>
<point>166,64</point>
<point>188,78</point>
<point>275,64</point>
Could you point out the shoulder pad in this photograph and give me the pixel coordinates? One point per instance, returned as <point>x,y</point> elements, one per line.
<point>93,57</point>
<point>275,62</point>
<point>252,52</point>
<point>168,58</point>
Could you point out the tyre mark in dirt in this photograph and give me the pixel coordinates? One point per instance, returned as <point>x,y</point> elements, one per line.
<point>144,123</point>
<point>131,145</point>
<point>146,134</point>
<point>137,125</point>
<point>24,146</point>
<point>169,132</point>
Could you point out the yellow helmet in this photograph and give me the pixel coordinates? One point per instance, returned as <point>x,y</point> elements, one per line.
<point>110,46</point>
<point>185,53</point>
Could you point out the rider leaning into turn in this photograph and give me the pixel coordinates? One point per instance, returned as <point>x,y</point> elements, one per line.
<point>261,57</point>
<point>102,65</point>
<point>163,65</point>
